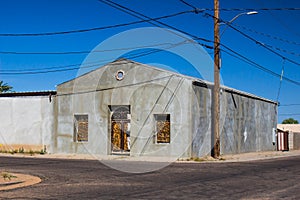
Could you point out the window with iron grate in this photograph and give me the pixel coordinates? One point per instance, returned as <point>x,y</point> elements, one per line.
<point>81,127</point>
<point>163,128</point>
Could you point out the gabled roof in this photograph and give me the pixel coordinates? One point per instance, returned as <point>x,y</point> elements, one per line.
<point>196,81</point>
<point>126,61</point>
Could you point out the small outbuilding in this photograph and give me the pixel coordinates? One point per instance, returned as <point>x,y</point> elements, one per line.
<point>293,132</point>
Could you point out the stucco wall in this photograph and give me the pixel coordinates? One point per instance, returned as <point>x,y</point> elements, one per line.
<point>26,122</point>
<point>296,141</point>
<point>147,90</point>
<point>246,122</point>
<point>201,123</point>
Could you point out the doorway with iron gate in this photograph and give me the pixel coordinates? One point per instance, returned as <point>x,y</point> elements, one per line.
<point>120,129</point>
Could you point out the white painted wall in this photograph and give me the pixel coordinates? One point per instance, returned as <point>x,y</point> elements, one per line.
<point>25,121</point>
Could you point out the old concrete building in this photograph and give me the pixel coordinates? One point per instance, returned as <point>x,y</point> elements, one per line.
<point>133,109</point>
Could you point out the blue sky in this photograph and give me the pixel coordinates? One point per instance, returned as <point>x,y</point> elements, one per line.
<point>277,29</point>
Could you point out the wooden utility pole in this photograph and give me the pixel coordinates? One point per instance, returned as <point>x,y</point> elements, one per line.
<point>216,92</point>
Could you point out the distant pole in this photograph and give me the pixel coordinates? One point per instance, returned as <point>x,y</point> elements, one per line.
<point>216,92</point>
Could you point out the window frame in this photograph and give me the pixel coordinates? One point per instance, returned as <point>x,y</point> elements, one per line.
<point>162,117</point>
<point>76,122</point>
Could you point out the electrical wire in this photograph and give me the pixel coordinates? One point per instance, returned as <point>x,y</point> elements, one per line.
<point>268,47</point>
<point>254,40</point>
<point>295,104</point>
<point>157,24</point>
<point>86,65</point>
<point>267,35</point>
<point>276,38</point>
<point>281,21</point>
<point>240,9</point>
<point>116,87</point>
<point>190,5</point>
<point>289,114</point>
<point>86,52</point>
<point>283,50</point>
<point>258,66</point>
<point>264,46</point>
<point>251,9</point>
<point>92,29</point>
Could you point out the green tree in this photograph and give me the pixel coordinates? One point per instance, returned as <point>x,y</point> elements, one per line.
<point>290,121</point>
<point>4,87</point>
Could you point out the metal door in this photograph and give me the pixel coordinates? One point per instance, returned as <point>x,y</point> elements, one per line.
<point>120,128</point>
<point>119,136</point>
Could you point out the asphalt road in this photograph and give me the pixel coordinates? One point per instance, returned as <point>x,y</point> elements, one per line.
<point>82,179</point>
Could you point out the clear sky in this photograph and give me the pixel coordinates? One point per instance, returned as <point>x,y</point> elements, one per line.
<point>275,26</point>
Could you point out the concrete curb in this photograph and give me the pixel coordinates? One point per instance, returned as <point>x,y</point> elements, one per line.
<point>243,157</point>
<point>23,180</point>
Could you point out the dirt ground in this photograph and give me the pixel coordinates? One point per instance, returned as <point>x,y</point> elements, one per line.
<point>17,180</point>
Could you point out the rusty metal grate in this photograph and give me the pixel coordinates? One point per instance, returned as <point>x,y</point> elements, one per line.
<point>81,125</point>
<point>163,128</point>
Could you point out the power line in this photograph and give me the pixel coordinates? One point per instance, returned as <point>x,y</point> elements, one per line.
<point>257,9</point>
<point>264,46</point>
<point>92,29</point>
<point>142,16</point>
<point>116,87</point>
<point>108,50</point>
<point>258,66</point>
<point>87,52</point>
<point>273,37</point>
<point>246,60</point>
<point>45,53</point>
<point>251,38</point>
<point>241,9</point>
<point>188,4</point>
<point>289,114</point>
<point>87,65</point>
<point>256,41</point>
<point>281,22</point>
<point>268,35</point>
<point>295,104</point>
<point>283,50</point>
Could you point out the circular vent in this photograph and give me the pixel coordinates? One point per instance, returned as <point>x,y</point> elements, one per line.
<point>120,75</point>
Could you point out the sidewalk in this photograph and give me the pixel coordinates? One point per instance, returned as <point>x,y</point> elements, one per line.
<point>259,155</point>
<point>224,158</point>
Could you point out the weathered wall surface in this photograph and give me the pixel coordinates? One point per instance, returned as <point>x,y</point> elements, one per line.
<point>296,141</point>
<point>201,123</point>
<point>147,90</point>
<point>246,122</point>
<point>25,122</point>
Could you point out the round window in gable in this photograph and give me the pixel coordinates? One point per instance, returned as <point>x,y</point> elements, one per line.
<point>120,75</point>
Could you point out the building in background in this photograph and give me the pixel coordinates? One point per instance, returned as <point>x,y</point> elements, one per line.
<point>293,135</point>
